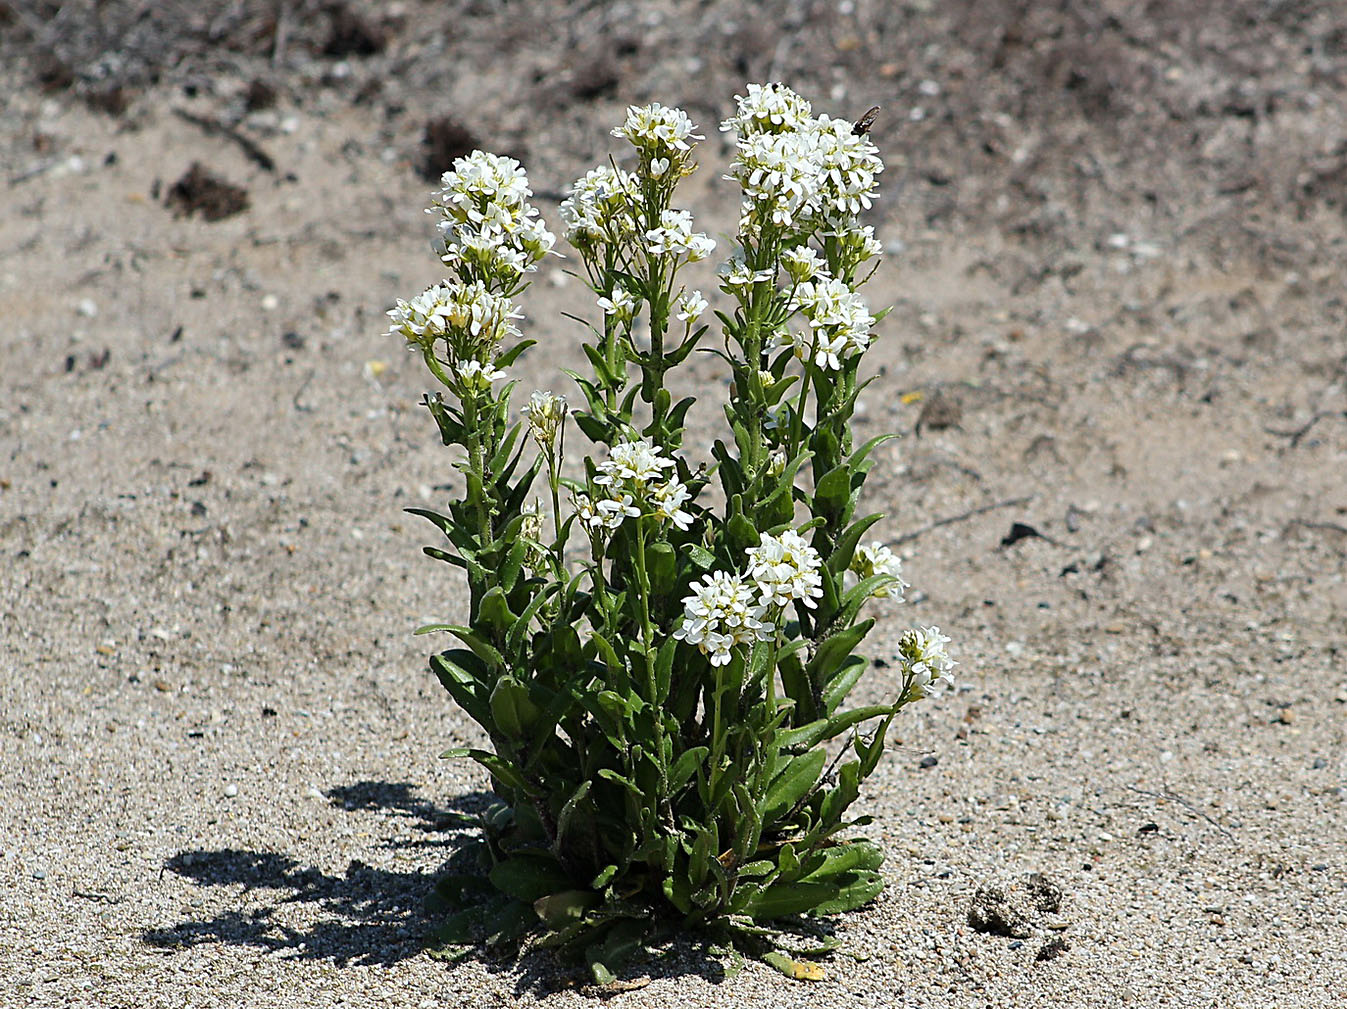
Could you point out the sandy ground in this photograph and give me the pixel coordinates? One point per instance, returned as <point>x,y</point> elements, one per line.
<point>1116,260</point>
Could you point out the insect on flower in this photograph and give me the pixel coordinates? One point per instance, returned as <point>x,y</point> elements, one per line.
<point>862,125</point>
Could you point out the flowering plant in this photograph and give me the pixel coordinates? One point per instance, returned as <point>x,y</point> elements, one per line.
<point>664,716</point>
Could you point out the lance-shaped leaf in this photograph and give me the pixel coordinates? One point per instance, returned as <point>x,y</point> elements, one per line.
<point>792,784</point>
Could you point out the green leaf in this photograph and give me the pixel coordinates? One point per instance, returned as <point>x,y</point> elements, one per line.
<point>508,924</point>
<point>499,767</point>
<point>841,858</point>
<point>686,766</point>
<point>845,550</point>
<point>661,568</point>
<point>561,909</point>
<point>853,890</point>
<point>460,673</point>
<point>604,877</point>
<point>514,713</point>
<point>832,491</point>
<point>781,900</point>
<point>515,636</point>
<point>568,811</point>
<point>529,879</point>
<point>810,735</point>
<point>700,556</point>
<point>827,661</point>
<point>484,649</point>
<point>836,800</point>
<point>791,785</point>
<point>853,668</point>
<point>508,358</point>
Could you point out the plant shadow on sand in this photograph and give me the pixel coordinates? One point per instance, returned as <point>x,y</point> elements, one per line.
<point>371,916</point>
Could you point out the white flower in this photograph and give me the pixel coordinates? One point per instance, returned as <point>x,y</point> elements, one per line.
<point>721,614</point>
<point>479,376</point>
<point>489,229</point>
<point>825,351</point>
<point>658,131</point>
<point>587,512</point>
<point>658,166</point>
<point>675,237</point>
<point>838,317</point>
<point>877,559</point>
<point>636,462</point>
<point>479,181</point>
<point>668,498</point>
<point>621,305</point>
<point>612,510</point>
<point>776,465</point>
<point>691,306</point>
<point>803,264</point>
<point>922,654</point>
<point>735,275</point>
<point>785,568</point>
<point>797,171</point>
<point>546,413</point>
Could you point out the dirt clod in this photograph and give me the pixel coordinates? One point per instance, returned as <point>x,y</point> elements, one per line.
<point>199,191</point>
<point>1013,907</point>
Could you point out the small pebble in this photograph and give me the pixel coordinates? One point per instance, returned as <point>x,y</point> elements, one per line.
<point>929,761</point>
<point>87,308</point>
<point>231,791</point>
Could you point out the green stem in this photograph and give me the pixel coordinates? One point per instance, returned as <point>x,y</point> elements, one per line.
<point>647,627</point>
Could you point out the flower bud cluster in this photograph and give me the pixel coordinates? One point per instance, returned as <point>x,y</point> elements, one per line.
<point>616,218</point>
<point>488,229</point>
<point>877,559</point>
<point>921,652</point>
<point>602,207</point>
<point>546,414</point>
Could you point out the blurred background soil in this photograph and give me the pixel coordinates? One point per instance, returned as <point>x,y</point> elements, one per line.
<point>1116,234</point>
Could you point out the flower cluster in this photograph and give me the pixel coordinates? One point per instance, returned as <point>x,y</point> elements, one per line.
<point>839,322</point>
<point>664,137</point>
<point>601,207</point>
<point>768,108</point>
<point>785,568</point>
<point>721,614</point>
<point>488,229</point>
<point>797,171</point>
<point>675,237</point>
<point>632,482</point>
<point>924,661</point>
<point>470,320</point>
<point>877,559</point>
<point>546,413</point>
